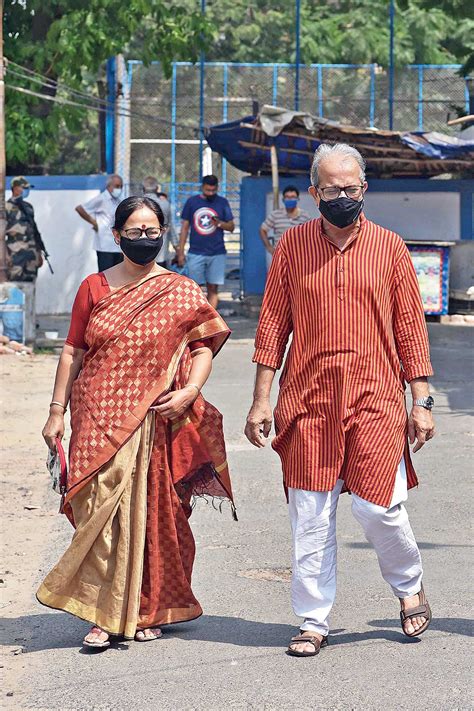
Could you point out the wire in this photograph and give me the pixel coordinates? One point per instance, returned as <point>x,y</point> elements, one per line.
<point>97,109</point>
<point>59,100</point>
<point>53,84</point>
<point>59,87</point>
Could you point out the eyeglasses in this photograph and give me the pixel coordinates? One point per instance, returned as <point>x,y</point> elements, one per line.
<point>150,232</point>
<point>351,191</point>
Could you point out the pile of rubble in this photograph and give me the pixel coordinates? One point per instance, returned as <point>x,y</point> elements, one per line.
<point>8,347</point>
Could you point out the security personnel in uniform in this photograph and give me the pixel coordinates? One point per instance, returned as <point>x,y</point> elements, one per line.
<point>24,244</point>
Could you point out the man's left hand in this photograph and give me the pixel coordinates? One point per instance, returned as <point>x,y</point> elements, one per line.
<point>420,427</point>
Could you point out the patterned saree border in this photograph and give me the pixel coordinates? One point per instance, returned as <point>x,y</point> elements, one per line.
<point>113,625</point>
<point>91,614</point>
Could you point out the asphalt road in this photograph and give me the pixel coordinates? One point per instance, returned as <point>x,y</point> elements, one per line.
<point>234,656</point>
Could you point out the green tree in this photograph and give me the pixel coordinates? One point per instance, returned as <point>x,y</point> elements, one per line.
<point>343,31</point>
<point>68,41</point>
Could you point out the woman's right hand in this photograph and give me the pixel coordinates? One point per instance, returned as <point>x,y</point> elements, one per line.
<point>53,428</point>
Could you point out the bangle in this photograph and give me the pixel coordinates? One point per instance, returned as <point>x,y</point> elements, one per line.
<point>55,402</point>
<point>193,385</point>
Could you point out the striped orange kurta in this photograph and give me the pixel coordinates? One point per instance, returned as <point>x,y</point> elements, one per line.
<point>358,334</point>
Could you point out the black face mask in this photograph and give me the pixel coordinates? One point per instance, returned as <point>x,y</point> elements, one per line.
<point>341,212</point>
<point>141,251</point>
<point>210,198</point>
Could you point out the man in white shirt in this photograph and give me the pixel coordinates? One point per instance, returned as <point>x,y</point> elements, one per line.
<point>152,190</point>
<point>100,213</point>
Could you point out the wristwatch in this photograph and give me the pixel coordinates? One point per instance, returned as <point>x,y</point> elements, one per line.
<point>426,402</point>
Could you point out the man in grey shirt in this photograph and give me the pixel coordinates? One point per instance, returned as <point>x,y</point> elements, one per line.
<point>279,221</point>
<point>152,190</point>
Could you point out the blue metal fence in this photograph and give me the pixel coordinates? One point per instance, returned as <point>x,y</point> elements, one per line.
<point>169,144</point>
<point>424,95</point>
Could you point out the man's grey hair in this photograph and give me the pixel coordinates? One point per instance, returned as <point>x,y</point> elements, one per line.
<point>150,184</point>
<point>326,150</point>
<point>110,179</point>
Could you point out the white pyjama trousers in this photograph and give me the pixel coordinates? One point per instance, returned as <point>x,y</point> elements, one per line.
<point>313,524</point>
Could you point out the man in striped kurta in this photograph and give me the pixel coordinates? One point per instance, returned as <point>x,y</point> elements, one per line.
<point>346,289</point>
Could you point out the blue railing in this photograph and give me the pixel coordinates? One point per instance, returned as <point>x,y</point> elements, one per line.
<point>424,93</point>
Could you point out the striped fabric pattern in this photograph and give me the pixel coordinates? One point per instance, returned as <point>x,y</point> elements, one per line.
<point>359,333</point>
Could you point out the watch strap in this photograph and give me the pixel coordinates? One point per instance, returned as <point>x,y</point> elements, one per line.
<point>426,402</point>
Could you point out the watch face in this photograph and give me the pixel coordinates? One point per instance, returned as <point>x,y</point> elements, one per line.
<point>429,402</point>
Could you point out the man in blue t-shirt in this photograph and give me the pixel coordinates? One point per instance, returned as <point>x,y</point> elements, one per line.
<point>208,215</point>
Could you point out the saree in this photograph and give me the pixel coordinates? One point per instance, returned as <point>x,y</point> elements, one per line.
<point>133,476</point>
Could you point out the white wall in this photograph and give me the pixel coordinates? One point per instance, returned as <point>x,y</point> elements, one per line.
<point>69,242</point>
<point>417,216</point>
<point>424,216</point>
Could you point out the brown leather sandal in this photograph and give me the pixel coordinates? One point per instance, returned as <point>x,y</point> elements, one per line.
<point>317,643</point>
<point>422,610</point>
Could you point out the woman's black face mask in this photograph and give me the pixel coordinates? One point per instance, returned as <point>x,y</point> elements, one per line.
<point>141,251</point>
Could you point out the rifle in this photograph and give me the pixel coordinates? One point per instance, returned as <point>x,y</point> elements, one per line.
<point>40,245</point>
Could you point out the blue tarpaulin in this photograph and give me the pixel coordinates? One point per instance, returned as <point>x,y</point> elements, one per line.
<point>246,144</point>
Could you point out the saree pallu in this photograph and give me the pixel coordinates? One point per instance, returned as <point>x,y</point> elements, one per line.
<point>132,474</point>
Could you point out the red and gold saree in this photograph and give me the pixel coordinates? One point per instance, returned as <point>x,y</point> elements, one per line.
<point>132,475</point>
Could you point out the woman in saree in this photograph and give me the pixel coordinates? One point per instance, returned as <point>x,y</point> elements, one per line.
<point>143,442</point>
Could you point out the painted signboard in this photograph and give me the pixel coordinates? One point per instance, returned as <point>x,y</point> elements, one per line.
<point>432,269</point>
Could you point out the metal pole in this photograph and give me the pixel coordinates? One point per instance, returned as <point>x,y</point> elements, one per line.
<point>201,100</point>
<point>469,95</point>
<point>174,206</point>
<point>275,85</point>
<point>224,119</point>
<point>420,97</point>
<point>3,218</point>
<point>275,181</point>
<point>372,96</point>
<point>110,117</point>
<point>320,91</point>
<point>297,54</point>
<point>391,76</point>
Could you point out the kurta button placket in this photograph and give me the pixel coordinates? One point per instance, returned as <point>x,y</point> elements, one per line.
<point>340,276</point>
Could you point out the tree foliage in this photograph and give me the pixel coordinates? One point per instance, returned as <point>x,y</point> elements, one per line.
<point>343,31</point>
<point>69,41</point>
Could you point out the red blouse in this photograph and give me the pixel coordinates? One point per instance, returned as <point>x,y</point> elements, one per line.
<point>92,289</point>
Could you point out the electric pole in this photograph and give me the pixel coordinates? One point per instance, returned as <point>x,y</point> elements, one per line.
<point>3,222</point>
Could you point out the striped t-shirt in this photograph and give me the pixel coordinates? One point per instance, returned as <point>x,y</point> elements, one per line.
<point>279,221</point>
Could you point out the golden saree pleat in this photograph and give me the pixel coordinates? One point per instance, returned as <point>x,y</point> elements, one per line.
<point>130,561</point>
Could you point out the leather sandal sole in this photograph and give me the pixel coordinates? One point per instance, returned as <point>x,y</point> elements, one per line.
<point>301,639</point>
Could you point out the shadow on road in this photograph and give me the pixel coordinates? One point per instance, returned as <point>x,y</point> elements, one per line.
<point>41,632</point>
<point>451,625</point>
<point>423,546</point>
